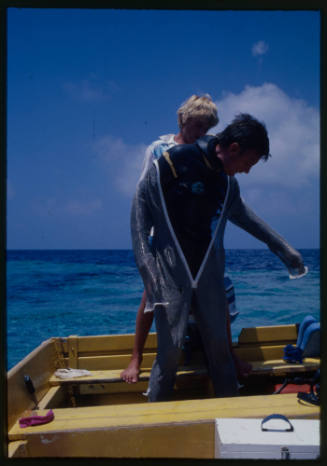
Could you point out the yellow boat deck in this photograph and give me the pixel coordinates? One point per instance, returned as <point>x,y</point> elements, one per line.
<point>141,429</point>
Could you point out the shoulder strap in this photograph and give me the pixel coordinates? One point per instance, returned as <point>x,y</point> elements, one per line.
<point>170,163</point>
<point>202,144</point>
<point>206,161</point>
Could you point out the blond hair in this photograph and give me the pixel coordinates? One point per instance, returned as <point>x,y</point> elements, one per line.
<point>200,107</point>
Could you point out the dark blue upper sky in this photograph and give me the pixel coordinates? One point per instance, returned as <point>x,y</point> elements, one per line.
<point>88,90</point>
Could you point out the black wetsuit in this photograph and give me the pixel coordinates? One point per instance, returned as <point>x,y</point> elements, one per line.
<point>194,198</point>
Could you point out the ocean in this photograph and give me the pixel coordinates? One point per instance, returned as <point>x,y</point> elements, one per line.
<point>53,293</point>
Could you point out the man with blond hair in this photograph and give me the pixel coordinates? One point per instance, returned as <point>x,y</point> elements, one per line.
<point>195,117</point>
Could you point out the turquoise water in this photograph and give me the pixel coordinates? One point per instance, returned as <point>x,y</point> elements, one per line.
<point>60,293</point>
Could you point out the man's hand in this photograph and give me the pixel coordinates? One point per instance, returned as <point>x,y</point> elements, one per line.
<point>296,267</point>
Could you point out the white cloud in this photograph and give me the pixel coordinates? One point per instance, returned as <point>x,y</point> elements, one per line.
<point>90,89</point>
<point>260,48</point>
<point>124,162</point>
<point>284,191</point>
<point>293,128</point>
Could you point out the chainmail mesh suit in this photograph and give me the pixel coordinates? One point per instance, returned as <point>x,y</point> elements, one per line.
<point>171,280</point>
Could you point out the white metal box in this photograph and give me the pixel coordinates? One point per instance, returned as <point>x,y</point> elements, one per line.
<point>244,438</point>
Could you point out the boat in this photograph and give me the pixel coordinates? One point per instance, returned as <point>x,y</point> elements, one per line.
<point>98,415</point>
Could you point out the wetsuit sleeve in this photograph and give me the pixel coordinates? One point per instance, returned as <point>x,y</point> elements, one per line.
<point>154,151</point>
<point>141,223</point>
<point>147,161</point>
<point>245,218</point>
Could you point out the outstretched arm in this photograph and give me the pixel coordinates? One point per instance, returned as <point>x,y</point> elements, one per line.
<point>244,217</point>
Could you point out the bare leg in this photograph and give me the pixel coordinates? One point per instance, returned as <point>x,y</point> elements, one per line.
<point>142,328</point>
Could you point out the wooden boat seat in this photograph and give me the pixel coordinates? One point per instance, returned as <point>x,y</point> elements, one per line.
<point>113,376</point>
<point>261,346</point>
<point>276,367</point>
<point>279,367</point>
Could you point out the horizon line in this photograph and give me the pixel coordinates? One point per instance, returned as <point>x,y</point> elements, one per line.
<point>127,249</point>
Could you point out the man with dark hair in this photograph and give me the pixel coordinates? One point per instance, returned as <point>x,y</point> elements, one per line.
<point>248,133</point>
<point>187,196</point>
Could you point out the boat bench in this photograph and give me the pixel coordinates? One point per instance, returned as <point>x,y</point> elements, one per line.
<point>277,367</point>
<point>113,376</point>
<point>260,346</point>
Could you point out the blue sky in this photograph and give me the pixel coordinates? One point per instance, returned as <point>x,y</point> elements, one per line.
<point>88,90</point>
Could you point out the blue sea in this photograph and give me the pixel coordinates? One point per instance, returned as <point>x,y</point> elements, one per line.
<point>97,292</point>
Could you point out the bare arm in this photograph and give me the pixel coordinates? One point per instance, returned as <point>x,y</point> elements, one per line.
<point>143,325</point>
<point>142,328</point>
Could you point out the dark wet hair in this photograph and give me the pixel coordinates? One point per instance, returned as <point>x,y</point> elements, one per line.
<point>248,132</point>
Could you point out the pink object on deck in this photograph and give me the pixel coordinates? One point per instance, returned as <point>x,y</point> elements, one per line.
<point>36,420</point>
